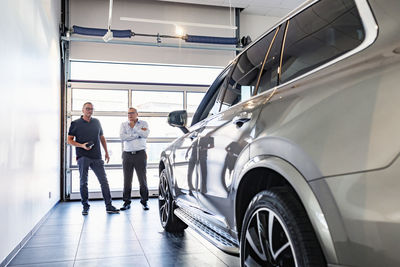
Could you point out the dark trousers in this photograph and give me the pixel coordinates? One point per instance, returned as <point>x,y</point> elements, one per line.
<point>97,165</point>
<point>137,161</point>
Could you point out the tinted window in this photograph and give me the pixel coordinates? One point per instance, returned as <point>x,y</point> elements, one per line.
<point>269,76</point>
<point>211,103</point>
<point>242,81</point>
<point>320,33</point>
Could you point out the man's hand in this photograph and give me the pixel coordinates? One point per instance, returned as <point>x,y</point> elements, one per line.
<point>107,157</point>
<point>85,147</point>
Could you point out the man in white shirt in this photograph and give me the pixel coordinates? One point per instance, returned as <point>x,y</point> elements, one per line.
<point>134,133</point>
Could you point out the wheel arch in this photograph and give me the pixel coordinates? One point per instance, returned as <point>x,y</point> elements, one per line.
<point>264,172</point>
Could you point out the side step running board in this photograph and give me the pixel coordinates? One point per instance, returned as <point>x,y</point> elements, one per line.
<point>220,239</point>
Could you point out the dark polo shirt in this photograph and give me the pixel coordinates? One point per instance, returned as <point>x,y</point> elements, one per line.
<point>84,132</point>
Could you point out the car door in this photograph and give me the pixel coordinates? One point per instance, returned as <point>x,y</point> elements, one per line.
<point>183,167</point>
<point>225,135</point>
<point>185,149</point>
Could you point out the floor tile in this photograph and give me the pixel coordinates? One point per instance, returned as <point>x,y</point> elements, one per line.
<point>49,264</point>
<point>53,240</point>
<point>44,255</point>
<point>185,260</point>
<point>108,249</point>
<point>137,261</point>
<point>66,229</point>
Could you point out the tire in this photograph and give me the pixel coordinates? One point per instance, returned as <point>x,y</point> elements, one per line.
<point>277,232</point>
<point>168,219</point>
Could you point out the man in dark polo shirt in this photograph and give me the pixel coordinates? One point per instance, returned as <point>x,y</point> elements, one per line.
<point>88,135</point>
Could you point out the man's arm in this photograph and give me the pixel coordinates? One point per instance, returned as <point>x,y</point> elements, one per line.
<point>144,130</point>
<point>104,144</point>
<point>125,136</point>
<point>72,142</point>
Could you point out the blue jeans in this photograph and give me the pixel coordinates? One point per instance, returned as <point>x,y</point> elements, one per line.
<point>97,165</point>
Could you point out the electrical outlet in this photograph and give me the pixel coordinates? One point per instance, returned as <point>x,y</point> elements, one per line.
<point>49,194</point>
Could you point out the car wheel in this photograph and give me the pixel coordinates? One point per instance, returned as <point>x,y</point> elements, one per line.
<point>168,219</point>
<point>277,232</point>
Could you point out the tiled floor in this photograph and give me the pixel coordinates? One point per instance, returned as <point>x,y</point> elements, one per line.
<point>131,238</point>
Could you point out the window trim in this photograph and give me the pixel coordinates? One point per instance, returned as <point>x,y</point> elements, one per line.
<point>277,29</point>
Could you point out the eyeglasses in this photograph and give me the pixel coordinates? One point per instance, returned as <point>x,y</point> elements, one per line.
<point>131,113</point>
<point>89,108</point>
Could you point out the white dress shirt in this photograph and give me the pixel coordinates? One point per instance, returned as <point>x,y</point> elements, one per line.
<point>134,139</point>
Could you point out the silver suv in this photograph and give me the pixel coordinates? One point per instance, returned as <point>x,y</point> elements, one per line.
<point>292,156</point>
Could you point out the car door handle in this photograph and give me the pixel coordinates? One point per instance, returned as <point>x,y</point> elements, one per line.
<point>242,119</point>
<point>239,122</point>
<point>193,135</point>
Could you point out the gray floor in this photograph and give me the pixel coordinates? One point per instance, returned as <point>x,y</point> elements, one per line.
<point>131,238</point>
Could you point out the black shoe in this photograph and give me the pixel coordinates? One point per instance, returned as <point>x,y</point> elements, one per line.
<point>112,209</point>
<point>85,210</point>
<point>144,205</point>
<point>126,206</point>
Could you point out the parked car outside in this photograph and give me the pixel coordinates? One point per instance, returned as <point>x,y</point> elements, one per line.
<point>292,155</point>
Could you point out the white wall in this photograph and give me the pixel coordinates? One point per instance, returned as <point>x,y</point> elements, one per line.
<point>29,116</point>
<point>94,13</point>
<point>254,25</point>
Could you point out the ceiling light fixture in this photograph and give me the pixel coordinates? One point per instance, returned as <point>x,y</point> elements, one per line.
<point>179,23</point>
<point>179,31</point>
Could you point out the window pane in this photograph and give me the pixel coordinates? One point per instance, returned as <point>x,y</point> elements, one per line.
<point>110,124</point>
<point>157,101</point>
<point>114,150</point>
<point>152,178</point>
<point>115,180</point>
<point>123,72</point>
<point>160,128</point>
<point>215,101</point>
<point>103,100</point>
<point>154,150</point>
<point>269,77</point>
<point>153,153</point>
<point>189,123</point>
<point>193,100</point>
<point>244,77</point>
<point>320,33</point>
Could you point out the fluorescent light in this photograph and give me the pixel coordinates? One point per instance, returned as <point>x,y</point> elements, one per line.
<point>179,31</point>
<point>179,23</point>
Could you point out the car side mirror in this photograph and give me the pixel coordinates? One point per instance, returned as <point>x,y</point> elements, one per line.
<point>178,119</point>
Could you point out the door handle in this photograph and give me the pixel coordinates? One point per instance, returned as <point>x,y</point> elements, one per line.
<point>239,122</point>
<point>193,135</point>
<point>242,119</point>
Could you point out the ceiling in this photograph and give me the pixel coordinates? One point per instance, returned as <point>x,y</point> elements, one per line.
<point>271,8</point>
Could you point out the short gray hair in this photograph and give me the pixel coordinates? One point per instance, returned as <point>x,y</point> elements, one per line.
<point>87,103</point>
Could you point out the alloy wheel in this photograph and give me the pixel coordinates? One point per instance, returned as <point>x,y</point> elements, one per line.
<point>164,199</point>
<point>267,242</point>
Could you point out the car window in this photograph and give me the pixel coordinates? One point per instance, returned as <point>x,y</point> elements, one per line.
<point>269,76</point>
<point>242,82</point>
<point>318,34</point>
<point>213,103</point>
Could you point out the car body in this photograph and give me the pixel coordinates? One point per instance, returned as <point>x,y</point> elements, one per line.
<point>292,156</point>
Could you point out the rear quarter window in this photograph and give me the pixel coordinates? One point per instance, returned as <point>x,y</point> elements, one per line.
<point>319,34</point>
